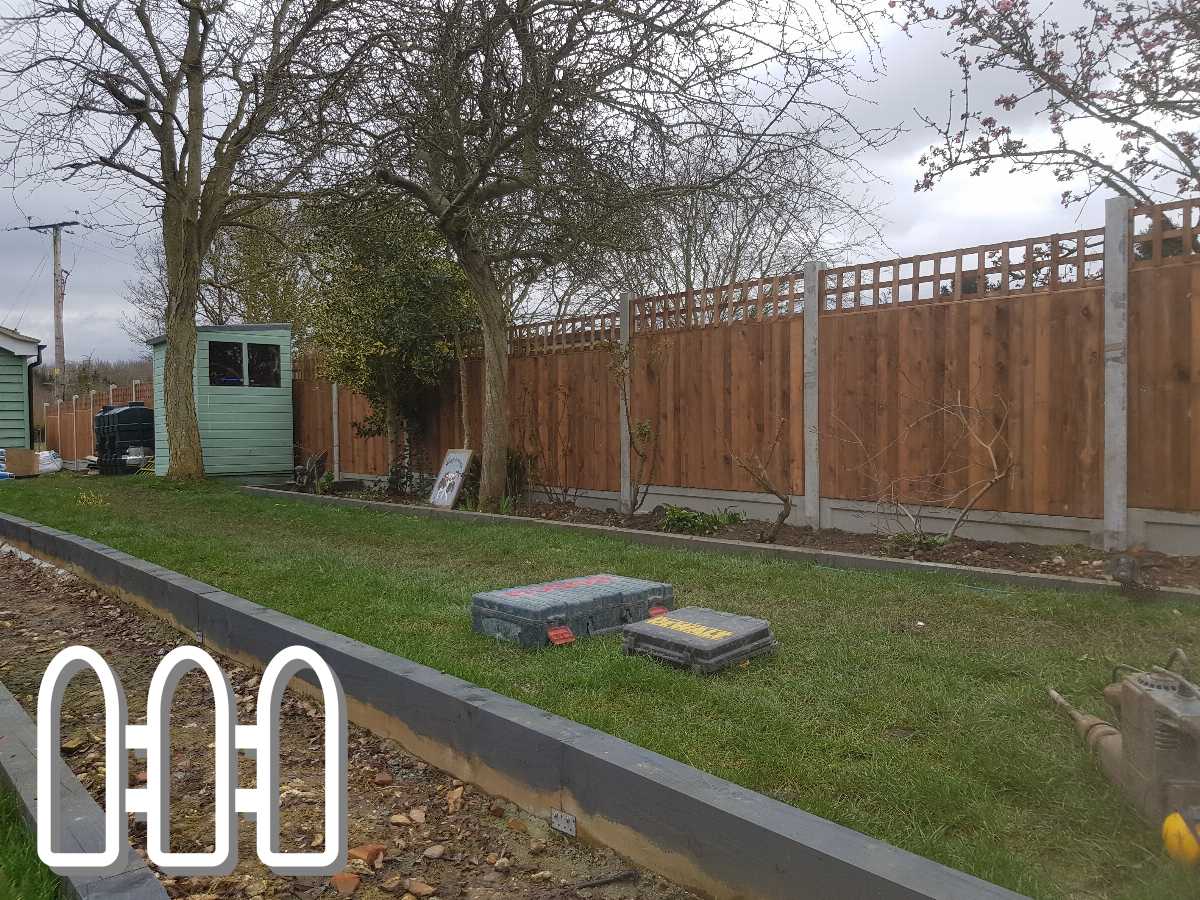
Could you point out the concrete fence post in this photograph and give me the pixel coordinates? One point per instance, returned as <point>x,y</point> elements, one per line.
<point>111,392</point>
<point>337,443</point>
<point>812,424</point>
<point>627,498</point>
<point>133,390</point>
<point>74,427</point>
<point>1117,227</point>
<point>91,420</point>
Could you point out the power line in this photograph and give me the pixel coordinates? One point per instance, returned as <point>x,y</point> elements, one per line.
<point>85,244</point>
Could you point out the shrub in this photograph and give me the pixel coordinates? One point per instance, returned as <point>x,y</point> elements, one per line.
<point>916,541</point>
<point>518,473</point>
<point>406,477</point>
<point>681,520</point>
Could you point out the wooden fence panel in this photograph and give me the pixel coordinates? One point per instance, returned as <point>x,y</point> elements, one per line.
<point>1029,368</point>
<point>440,425</point>
<point>712,393</point>
<point>1014,330</point>
<point>70,430</point>
<point>53,438</point>
<point>1164,385</point>
<point>565,416</point>
<point>312,424</point>
<point>85,431</point>
<point>359,455</point>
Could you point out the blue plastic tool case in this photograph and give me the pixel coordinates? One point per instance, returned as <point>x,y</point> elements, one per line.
<point>592,604</point>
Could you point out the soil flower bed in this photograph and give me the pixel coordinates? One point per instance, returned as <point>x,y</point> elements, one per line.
<point>1155,569</point>
<point>414,831</point>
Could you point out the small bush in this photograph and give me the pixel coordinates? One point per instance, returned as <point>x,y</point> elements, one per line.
<point>727,516</point>
<point>913,542</point>
<point>406,477</point>
<point>681,520</point>
<point>518,476</point>
<point>518,472</point>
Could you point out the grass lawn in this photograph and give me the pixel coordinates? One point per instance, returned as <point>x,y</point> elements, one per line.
<point>937,737</point>
<point>22,875</point>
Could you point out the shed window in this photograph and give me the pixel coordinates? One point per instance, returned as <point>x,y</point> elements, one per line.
<point>224,363</point>
<point>264,365</point>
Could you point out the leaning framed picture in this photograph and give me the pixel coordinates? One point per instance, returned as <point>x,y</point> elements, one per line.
<point>450,478</point>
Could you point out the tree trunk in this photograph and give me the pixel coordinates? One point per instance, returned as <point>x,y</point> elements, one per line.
<point>494,468</point>
<point>493,321</point>
<point>772,534</point>
<point>179,392</point>
<point>396,434</point>
<point>464,390</point>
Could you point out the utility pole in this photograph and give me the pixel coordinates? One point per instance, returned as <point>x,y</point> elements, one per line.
<point>60,289</point>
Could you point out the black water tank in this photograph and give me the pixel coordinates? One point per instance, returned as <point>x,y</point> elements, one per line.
<point>118,429</point>
<point>100,429</point>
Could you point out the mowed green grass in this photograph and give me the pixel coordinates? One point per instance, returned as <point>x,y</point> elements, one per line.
<point>22,875</point>
<point>937,737</point>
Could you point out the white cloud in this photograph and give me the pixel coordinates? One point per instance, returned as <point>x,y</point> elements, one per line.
<point>98,259</point>
<point>960,212</point>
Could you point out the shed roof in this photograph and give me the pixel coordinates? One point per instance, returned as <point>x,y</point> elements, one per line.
<point>258,326</point>
<point>18,344</point>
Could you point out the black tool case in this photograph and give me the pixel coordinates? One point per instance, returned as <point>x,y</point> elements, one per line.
<point>593,604</point>
<point>702,640</point>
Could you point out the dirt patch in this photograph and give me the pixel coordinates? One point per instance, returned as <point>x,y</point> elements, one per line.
<point>1154,569</point>
<point>414,828</point>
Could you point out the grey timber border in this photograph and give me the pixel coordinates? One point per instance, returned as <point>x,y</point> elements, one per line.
<point>710,835</point>
<point>82,818</point>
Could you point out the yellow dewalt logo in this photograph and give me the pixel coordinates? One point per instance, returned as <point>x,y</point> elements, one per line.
<point>700,631</point>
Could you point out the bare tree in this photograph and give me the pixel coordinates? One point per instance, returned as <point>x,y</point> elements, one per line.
<point>765,218</point>
<point>529,128</point>
<point>758,467</point>
<point>183,101</point>
<point>976,458</point>
<point>549,459</point>
<point>643,436</point>
<point>147,297</point>
<point>770,217</point>
<point>1132,68</point>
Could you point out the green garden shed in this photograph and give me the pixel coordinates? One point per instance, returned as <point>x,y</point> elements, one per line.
<point>243,384</point>
<point>18,354</point>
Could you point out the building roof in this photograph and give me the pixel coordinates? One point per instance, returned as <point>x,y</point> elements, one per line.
<point>18,344</point>
<point>202,329</point>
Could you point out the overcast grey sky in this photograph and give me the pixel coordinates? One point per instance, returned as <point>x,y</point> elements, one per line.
<point>961,211</point>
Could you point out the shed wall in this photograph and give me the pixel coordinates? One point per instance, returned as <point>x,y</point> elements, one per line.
<point>243,430</point>
<point>14,400</point>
